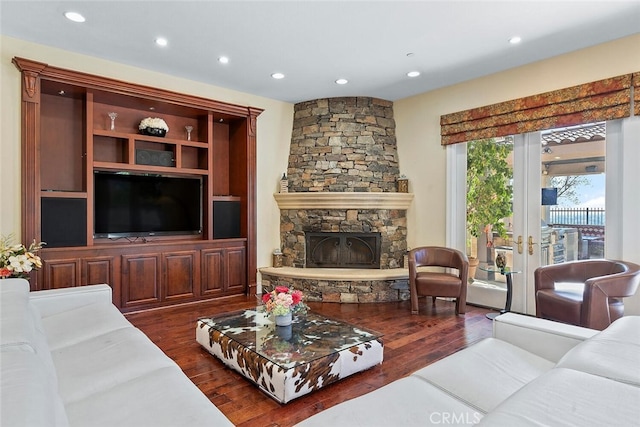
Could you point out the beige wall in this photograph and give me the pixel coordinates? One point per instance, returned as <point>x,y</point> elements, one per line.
<point>274,129</point>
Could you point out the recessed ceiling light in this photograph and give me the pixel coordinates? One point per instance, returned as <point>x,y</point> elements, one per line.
<point>74,16</point>
<point>342,81</point>
<point>277,76</point>
<point>223,60</point>
<point>413,73</point>
<point>515,40</point>
<point>161,41</point>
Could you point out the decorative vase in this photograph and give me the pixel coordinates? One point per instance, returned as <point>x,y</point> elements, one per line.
<point>284,332</point>
<point>154,132</point>
<point>473,265</point>
<point>284,320</point>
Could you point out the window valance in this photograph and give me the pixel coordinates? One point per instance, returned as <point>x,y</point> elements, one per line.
<point>606,99</point>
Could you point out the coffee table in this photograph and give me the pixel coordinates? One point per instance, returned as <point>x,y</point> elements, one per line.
<point>291,361</point>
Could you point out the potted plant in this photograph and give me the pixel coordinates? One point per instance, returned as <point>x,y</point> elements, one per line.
<point>489,191</point>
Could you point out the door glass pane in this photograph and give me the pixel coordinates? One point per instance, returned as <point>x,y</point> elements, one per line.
<point>573,179</point>
<point>489,212</point>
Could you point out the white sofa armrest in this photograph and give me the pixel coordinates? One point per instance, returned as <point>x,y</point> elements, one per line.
<point>52,301</point>
<point>545,338</point>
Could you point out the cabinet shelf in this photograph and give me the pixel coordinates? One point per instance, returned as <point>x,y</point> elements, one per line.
<point>64,194</point>
<point>140,137</point>
<point>147,168</point>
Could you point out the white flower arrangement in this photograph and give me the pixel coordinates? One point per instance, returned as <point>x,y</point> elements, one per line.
<point>155,123</point>
<point>16,260</point>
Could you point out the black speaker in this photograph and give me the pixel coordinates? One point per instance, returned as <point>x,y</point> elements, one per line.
<point>154,157</point>
<point>226,219</point>
<point>63,222</point>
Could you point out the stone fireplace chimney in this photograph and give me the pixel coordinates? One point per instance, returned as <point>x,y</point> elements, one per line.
<point>340,149</point>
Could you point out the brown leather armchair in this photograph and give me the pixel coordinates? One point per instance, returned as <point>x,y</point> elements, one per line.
<point>438,284</point>
<point>585,293</point>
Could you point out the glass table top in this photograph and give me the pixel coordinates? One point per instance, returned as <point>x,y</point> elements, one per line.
<point>491,268</point>
<point>309,337</point>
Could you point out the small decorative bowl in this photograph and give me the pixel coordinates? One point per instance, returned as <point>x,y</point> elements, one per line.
<point>154,132</point>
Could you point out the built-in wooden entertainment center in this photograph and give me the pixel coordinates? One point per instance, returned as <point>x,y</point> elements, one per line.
<point>67,138</point>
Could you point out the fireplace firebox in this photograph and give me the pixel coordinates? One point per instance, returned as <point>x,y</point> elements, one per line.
<point>342,250</point>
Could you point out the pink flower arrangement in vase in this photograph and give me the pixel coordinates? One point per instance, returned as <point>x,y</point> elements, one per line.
<point>284,301</point>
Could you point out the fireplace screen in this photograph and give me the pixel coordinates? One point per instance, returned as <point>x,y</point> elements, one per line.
<point>343,250</point>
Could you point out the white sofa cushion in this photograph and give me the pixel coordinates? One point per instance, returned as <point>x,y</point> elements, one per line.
<point>485,374</point>
<point>542,337</point>
<point>164,397</point>
<point>410,401</point>
<point>17,329</point>
<point>564,397</point>
<point>613,353</point>
<point>29,397</point>
<point>21,328</point>
<point>105,361</point>
<point>80,324</point>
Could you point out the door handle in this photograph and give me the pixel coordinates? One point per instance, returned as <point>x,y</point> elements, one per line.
<point>531,243</point>
<point>519,242</point>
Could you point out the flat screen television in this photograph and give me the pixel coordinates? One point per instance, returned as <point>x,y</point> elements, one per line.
<point>141,205</point>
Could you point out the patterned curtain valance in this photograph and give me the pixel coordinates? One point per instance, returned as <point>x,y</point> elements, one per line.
<point>606,99</point>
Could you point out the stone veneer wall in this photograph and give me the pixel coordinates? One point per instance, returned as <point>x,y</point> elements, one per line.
<point>342,291</point>
<point>343,145</point>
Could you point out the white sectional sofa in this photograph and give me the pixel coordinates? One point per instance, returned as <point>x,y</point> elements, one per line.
<point>532,372</point>
<point>70,358</point>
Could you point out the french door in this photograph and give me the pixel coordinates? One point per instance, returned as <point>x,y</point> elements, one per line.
<point>530,242</point>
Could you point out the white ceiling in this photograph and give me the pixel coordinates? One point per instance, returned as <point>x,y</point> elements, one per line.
<point>315,42</point>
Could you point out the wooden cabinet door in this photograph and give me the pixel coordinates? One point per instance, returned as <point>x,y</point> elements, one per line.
<point>140,279</point>
<point>180,272</point>
<point>97,270</point>
<point>212,271</point>
<point>236,269</point>
<point>61,273</point>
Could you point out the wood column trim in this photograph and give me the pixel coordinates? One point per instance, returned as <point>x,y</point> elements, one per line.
<point>30,156</point>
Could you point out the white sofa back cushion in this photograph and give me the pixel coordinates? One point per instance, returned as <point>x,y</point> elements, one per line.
<point>564,397</point>
<point>613,353</point>
<point>21,327</point>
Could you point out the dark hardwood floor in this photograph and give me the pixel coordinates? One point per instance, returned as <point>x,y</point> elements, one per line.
<point>410,343</point>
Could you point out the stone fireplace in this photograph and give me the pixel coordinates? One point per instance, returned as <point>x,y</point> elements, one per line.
<point>342,179</point>
<point>346,250</point>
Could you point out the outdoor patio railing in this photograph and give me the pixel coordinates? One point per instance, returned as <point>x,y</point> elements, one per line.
<point>577,216</point>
